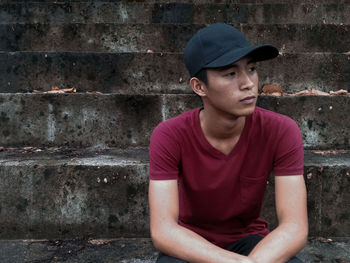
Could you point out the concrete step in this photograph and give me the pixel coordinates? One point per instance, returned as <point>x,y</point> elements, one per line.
<point>78,120</point>
<point>67,193</point>
<point>56,37</point>
<point>327,175</point>
<point>139,250</point>
<point>145,73</point>
<point>189,1</point>
<point>111,120</point>
<point>306,12</point>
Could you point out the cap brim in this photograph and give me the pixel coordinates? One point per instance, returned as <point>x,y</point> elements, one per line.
<point>258,53</point>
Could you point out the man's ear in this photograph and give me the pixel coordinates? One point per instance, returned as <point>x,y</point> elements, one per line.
<point>198,87</point>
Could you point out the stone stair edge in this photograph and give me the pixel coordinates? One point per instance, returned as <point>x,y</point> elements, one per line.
<point>113,156</point>
<point>187,97</point>
<point>188,2</point>
<point>184,1</point>
<point>119,239</point>
<point>104,240</point>
<point>196,25</point>
<point>163,38</point>
<point>65,119</point>
<point>137,250</point>
<point>157,53</point>
<point>69,155</point>
<point>310,3</point>
<point>155,72</point>
<point>68,198</point>
<point>70,92</point>
<point>199,24</point>
<point>168,13</point>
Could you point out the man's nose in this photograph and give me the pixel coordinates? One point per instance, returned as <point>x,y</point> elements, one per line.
<point>246,81</point>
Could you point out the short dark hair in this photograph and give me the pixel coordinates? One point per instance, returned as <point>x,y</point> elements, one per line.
<point>202,75</point>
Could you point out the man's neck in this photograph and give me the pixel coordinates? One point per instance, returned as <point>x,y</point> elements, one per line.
<point>220,126</point>
<point>222,132</point>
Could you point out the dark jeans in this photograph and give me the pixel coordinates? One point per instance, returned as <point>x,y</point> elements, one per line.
<point>243,247</point>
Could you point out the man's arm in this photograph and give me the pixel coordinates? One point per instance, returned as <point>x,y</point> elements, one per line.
<point>177,241</point>
<point>291,234</point>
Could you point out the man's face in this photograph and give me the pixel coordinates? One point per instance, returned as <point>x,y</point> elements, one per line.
<point>233,90</point>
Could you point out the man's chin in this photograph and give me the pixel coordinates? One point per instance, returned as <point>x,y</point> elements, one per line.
<point>248,111</point>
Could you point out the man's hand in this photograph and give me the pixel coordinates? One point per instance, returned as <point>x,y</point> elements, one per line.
<point>291,234</point>
<point>176,241</point>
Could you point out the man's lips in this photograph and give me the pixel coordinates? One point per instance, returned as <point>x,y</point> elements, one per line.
<point>248,99</point>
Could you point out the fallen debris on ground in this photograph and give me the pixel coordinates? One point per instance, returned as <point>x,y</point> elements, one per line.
<point>330,152</point>
<point>57,90</point>
<point>274,90</point>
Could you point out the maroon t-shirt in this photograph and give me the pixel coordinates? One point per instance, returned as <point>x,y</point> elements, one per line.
<point>220,196</point>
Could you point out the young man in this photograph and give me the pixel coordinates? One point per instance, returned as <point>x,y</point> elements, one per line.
<point>209,166</point>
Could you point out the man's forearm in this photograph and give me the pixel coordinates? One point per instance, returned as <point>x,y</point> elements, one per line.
<point>185,244</point>
<point>281,244</point>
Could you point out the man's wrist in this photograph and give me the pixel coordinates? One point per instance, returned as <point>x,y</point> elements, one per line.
<point>247,260</point>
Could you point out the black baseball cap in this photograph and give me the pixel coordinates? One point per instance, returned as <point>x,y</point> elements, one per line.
<point>220,45</point>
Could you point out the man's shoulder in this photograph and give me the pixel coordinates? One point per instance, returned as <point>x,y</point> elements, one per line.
<point>270,118</point>
<point>272,125</point>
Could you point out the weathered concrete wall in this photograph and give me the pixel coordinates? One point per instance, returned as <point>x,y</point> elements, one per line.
<point>327,181</point>
<point>133,49</point>
<point>87,120</point>
<point>63,41</point>
<point>324,121</point>
<point>184,13</point>
<point>45,196</point>
<point>131,73</point>
<point>164,38</point>
<point>84,120</point>
<point>104,194</point>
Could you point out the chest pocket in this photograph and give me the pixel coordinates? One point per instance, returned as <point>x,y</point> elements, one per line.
<point>252,190</point>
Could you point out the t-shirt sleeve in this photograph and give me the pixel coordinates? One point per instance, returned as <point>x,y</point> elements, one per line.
<point>289,154</point>
<point>164,154</point>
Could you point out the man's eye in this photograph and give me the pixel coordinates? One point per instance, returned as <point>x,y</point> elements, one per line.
<point>231,73</point>
<point>252,68</point>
